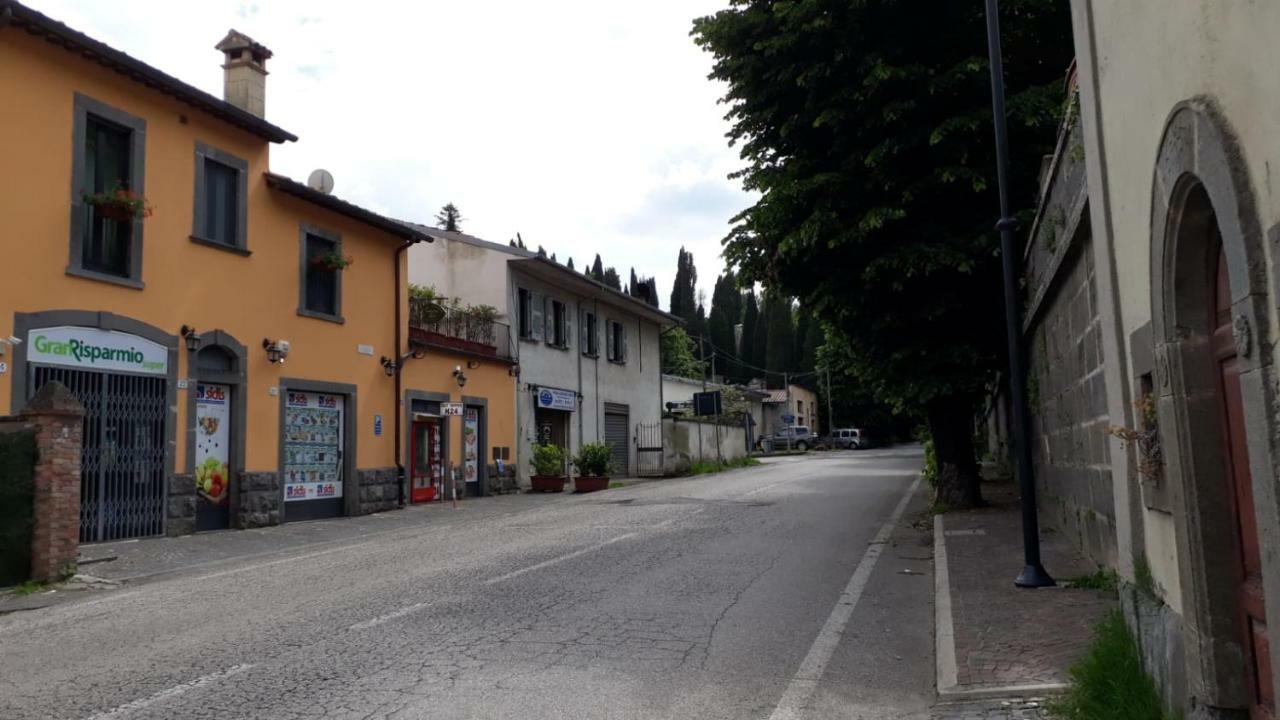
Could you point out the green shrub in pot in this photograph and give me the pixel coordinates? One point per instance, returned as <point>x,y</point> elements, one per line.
<point>594,460</point>
<point>548,460</point>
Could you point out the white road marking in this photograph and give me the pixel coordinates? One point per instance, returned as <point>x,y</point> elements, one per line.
<point>762,489</point>
<point>389,616</point>
<point>171,692</point>
<point>802,685</point>
<point>562,558</point>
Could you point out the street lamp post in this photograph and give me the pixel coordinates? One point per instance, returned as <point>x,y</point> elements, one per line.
<point>1033,574</point>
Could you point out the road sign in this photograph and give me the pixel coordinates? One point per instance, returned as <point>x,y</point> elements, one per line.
<point>788,418</point>
<point>451,409</point>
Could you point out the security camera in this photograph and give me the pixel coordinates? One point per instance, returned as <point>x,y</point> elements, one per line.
<point>15,340</point>
<point>283,346</point>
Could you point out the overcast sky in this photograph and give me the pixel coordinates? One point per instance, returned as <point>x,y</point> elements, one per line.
<point>587,126</point>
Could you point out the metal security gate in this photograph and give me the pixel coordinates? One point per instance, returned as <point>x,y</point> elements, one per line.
<point>122,460</point>
<point>617,427</point>
<point>649,449</point>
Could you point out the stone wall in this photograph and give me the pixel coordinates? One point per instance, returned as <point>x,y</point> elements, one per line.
<point>180,518</point>
<point>58,418</point>
<point>685,442</point>
<point>378,490</point>
<point>260,498</point>
<point>1067,394</point>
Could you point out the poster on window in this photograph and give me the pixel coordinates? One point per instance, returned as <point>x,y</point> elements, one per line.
<point>213,443</point>
<point>471,445</point>
<point>312,446</point>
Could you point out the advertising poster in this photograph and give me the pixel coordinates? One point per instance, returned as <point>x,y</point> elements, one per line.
<point>312,446</point>
<point>471,445</point>
<point>213,443</point>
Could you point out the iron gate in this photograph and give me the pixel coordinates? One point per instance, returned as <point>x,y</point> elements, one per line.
<point>122,458</point>
<point>649,449</point>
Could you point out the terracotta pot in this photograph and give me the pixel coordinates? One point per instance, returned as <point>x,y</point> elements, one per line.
<point>547,483</point>
<point>112,211</point>
<point>590,483</point>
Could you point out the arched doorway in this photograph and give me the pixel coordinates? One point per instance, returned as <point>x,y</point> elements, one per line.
<point>215,455</point>
<point>1210,314</point>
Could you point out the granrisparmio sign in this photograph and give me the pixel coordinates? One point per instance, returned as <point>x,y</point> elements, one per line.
<point>93,349</point>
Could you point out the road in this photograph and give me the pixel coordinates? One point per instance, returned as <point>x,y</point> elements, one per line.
<point>798,589</point>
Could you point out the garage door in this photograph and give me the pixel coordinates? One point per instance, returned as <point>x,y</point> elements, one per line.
<point>616,433</point>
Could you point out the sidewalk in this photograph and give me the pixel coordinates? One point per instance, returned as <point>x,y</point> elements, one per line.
<point>996,641</point>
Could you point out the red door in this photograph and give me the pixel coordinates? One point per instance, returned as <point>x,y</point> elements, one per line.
<point>1253,616</point>
<point>424,470</point>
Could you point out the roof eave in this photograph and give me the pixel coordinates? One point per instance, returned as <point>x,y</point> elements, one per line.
<point>292,187</point>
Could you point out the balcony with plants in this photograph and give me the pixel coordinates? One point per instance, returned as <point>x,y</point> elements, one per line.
<point>443,322</point>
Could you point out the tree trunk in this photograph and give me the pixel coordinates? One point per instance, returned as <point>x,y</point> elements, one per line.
<point>951,425</point>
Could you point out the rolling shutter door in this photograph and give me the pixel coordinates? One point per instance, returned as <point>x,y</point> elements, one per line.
<point>617,435</point>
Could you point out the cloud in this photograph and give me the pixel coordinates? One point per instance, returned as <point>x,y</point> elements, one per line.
<point>586,126</point>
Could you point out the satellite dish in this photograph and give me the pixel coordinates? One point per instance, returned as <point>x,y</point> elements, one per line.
<point>320,180</point>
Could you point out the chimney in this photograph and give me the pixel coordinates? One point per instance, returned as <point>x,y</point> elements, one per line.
<point>244,74</point>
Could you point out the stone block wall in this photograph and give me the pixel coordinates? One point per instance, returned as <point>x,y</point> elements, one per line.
<point>261,496</point>
<point>378,490</point>
<point>1070,423</point>
<point>180,513</point>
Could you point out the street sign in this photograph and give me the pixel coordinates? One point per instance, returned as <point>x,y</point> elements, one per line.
<point>788,418</point>
<point>707,404</point>
<point>451,409</point>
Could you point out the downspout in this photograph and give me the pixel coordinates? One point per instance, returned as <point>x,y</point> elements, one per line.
<point>399,364</point>
<point>581,329</point>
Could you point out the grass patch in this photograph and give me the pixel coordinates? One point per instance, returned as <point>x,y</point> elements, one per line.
<point>618,484</point>
<point>1108,684</point>
<point>1103,579</point>
<point>706,467</point>
<point>28,587</point>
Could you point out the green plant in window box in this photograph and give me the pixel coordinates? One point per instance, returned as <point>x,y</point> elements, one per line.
<point>332,261</point>
<point>120,204</point>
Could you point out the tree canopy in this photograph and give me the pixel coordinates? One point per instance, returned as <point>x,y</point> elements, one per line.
<point>678,354</point>
<point>865,129</point>
<point>450,218</point>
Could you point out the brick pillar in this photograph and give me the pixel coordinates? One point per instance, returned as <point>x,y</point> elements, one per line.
<point>55,538</point>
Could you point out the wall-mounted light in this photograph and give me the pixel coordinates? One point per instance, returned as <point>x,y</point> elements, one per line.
<point>192,338</point>
<point>460,376</point>
<point>473,364</point>
<point>277,350</point>
<point>514,370</point>
<point>388,366</point>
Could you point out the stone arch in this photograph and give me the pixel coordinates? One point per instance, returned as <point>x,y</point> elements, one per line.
<point>219,358</point>
<point>1202,200</point>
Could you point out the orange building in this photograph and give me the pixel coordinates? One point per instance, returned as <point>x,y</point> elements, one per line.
<point>239,340</point>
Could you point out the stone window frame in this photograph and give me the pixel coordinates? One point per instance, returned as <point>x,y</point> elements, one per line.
<point>82,107</point>
<point>335,237</point>
<point>238,380</point>
<point>1199,150</point>
<point>205,153</point>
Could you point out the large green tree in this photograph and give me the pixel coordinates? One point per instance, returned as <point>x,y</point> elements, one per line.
<point>780,336</point>
<point>747,344</point>
<point>684,293</point>
<point>678,357</point>
<point>726,313</point>
<point>865,128</point>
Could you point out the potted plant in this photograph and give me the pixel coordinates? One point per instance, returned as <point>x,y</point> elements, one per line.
<point>120,204</point>
<point>548,469</point>
<point>332,261</point>
<point>594,461</point>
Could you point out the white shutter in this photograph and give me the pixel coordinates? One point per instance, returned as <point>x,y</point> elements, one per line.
<point>549,319</point>
<point>584,337</point>
<point>568,326</point>
<point>622,331</point>
<point>537,322</point>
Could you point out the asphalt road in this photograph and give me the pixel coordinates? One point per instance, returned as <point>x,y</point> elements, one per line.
<point>798,589</point>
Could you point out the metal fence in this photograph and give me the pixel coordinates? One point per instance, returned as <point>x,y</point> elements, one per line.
<point>454,327</point>
<point>649,450</point>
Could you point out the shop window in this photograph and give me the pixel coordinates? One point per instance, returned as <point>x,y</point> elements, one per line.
<point>321,285</point>
<point>109,157</point>
<point>221,187</point>
<point>557,320</point>
<point>616,339</point>
<point>590,340</point>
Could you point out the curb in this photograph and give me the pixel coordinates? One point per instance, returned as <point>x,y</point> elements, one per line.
<point>945,638</point>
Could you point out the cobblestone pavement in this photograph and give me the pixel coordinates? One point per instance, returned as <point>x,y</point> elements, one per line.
<point>1027,709</point>
<point>1004,635</point>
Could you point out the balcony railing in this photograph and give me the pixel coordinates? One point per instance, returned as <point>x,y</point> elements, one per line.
<point>431,323</point>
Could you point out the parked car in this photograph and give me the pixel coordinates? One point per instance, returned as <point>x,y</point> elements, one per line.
<point>850,439</point>
<point>800,437</point>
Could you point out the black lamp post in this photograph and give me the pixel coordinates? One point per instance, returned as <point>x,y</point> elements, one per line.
<point>1033,574</point>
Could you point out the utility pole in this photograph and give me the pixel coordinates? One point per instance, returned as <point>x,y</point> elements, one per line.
<point>831,418</point>
<point>1033,574</point>
<point>719,455</point>
<point>786,384</point>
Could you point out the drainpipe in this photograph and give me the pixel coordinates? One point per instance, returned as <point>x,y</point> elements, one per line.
<point>581,350</point>
<point>400,357</point>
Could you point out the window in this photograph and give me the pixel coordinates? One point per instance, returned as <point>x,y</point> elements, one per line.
<point>616,337</point>
<point>320,286</point>
<point>557,324</point>
<point>109,156</point>
<point>590,340</point>
<point>221,186</point>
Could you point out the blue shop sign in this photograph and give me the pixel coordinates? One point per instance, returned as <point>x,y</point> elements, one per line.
<point>556,399</point>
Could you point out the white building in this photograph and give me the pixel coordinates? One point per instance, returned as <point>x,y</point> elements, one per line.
<point>589,361</point>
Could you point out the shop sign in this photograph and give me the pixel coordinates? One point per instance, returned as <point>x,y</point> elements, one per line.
<point>555,399</point>
<point>94,349</point>
<point>451,409</point>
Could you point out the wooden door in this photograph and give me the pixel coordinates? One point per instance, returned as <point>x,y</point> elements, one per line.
<point>1252,612</point>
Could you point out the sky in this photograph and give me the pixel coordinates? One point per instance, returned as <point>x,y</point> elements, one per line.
<point>586,126</point>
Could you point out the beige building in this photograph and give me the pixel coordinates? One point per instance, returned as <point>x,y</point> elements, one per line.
<point>1152,308</point>
<point>795,402</point>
